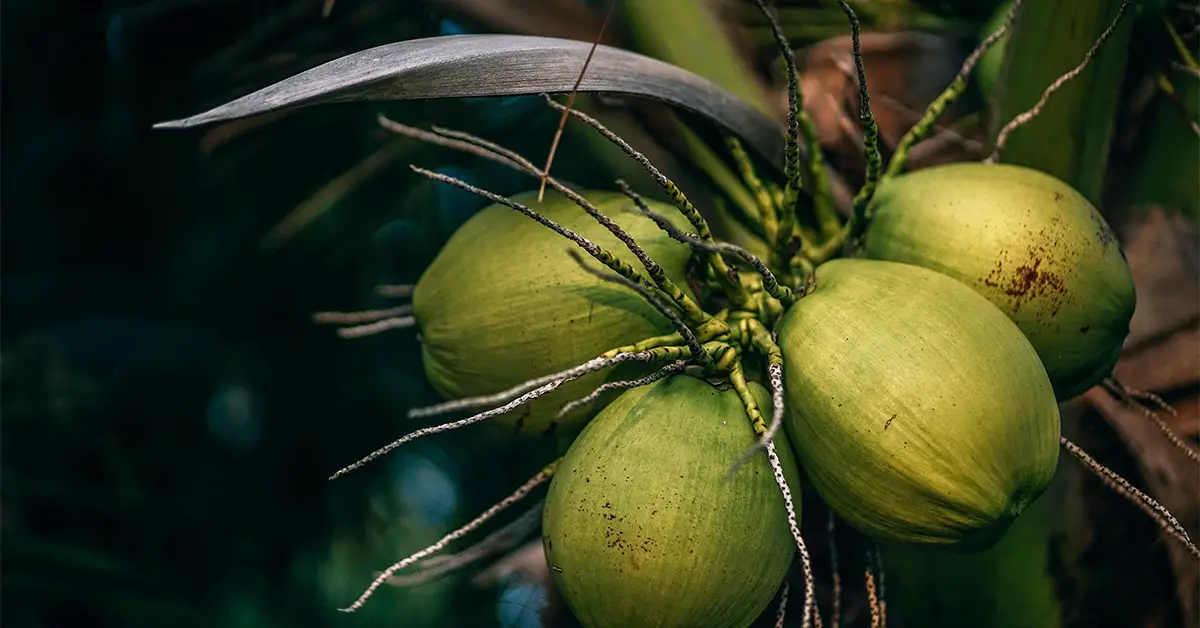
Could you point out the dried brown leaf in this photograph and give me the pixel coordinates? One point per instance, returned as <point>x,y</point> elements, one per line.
<point>905,72</point>
<point>1163,250</point>
<point>1162,356</point>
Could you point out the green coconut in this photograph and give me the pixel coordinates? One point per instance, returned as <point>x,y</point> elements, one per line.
<point>639,528</point>
<point>503,302</point>
<point>919,411</point>
<point>1029,243</point>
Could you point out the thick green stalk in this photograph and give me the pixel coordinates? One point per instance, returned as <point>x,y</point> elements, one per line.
<point>1070,139</point>
<point>689,34</point>
<point>1007,585</point>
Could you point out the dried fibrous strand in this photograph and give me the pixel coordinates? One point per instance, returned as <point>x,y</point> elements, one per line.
<point>593,249</point>
<point>810,610</point>
<point>1169,525</point>
<point>873,597</point>
<point>484,148</point>
<point>677,196</point>
<point>875,560</point>
<point>498,541</point>
<point>1145,396</point>
<point>364,316</point>
<point>668,186</point>
<point>496,509</point>
<point>482,416</point>
<point>1024,117</point>
<point>623,384</point>
<point>835,610</point>
<point>656,273</point>
<point>956,88</point>
<point>781,614</point>
<point>1130,397</point>
<point>446,138</point>
<point>562,122</point>
<point>395,291</point>
<point>368,322</point>
<point>467,403</point>
<point>682,329</point>
<point>775,379</point>
<point>378,327</point>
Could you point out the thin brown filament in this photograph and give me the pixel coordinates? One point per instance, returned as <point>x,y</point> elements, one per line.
<point>562,122</point>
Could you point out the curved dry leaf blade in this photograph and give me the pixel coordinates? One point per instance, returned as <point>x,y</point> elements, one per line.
<point>467,66</point>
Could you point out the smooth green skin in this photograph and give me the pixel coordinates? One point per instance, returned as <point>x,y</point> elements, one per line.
<point>504,303</point>
<point>919,411</point>
<point>639,528</point>
<point>1029,243</point>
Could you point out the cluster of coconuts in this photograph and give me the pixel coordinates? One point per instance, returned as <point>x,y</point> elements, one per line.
<point>915,373</point>
<point>921,380</point>
<point>916,377</point>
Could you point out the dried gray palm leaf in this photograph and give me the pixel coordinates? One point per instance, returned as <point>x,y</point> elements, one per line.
<point>465,66</point>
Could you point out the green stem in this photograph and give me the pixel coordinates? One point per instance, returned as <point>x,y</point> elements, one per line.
<point>677,197</point>
<point>859,218</point>
<point>921,129</point>
<point>766,208</point>
<point>1181,47</point>
<point>737,378</point>
<point>791,150</point>
<point>646,345</point>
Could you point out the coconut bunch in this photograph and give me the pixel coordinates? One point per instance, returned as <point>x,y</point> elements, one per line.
<point>907,362</point>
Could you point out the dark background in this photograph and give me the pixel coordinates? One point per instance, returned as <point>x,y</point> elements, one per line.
<point>170,411</point>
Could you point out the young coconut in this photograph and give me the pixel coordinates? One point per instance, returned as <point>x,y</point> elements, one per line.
<point>641,528</point>
<point>918,409</point>
<point>1030,243</point>
<point>503,303</point>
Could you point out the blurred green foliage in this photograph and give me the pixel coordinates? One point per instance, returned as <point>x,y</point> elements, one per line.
<point>170,413</point>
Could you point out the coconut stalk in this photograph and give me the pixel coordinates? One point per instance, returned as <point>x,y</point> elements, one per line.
<point>1071,135</point>
<point>1009,584</point>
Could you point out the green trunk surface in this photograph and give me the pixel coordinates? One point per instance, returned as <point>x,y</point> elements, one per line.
<point>690,34</point>
<point>1168,158</point>
<point>1070,138</point>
